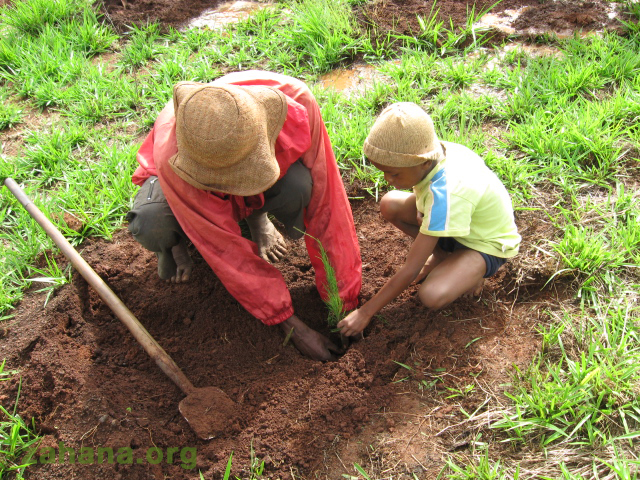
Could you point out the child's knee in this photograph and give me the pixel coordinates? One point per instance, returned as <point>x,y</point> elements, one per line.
<point>433,298</point>
<point>389,207</point>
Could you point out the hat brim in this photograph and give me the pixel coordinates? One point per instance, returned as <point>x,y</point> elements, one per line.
<point>396,159</point>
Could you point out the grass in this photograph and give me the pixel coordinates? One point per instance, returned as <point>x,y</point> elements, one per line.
<point>18,439</point>
<point>560,130</point>
<point>10,114</point>
<point>586,395</point>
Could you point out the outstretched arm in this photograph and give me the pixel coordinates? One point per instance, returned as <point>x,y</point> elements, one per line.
<point>328,216</point>
<point>420,250</point>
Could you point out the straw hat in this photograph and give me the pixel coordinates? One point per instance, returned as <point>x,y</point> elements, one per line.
<point>403,136</point>
<point>226,136</point>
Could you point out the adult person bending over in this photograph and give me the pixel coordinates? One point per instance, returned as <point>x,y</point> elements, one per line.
<point>246,144</point>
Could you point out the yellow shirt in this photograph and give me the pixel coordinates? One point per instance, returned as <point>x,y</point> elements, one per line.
<point>462,198</point>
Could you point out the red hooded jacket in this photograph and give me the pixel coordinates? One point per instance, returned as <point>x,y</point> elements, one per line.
<point>210,219</point>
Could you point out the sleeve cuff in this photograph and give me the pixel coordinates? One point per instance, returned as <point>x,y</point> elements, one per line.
<point>279,317</point>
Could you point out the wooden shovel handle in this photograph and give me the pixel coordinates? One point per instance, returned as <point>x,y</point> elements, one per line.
<point>144,338</point>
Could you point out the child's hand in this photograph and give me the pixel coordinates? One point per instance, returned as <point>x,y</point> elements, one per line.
<point>354,323</point>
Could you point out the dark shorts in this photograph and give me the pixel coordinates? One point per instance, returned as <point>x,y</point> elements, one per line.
<point>151,221</point>
<point>449,244</point>
<point>287,199</point>
<point>153,225</point>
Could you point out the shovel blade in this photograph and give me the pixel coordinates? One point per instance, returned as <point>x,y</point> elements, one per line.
<point>209,411</point>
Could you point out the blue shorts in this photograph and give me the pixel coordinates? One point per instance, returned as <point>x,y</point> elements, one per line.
<point>449,244</point>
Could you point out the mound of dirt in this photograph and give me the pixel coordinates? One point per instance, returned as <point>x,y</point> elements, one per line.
<point>87,383</point>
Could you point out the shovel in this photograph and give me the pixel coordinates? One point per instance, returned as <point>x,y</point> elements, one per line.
<point>208,410</point>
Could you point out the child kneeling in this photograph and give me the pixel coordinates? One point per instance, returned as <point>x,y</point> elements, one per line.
<point>459,213</point>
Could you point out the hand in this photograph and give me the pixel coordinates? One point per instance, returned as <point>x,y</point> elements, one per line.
<point>308,341</point>
<point>354,323</point>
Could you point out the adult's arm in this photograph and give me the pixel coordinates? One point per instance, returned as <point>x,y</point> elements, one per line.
<point>210,222</point>
<point>328,216</point>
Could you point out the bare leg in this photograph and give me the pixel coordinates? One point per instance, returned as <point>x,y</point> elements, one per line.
<point>435,259</point>
<point>184,264</point>
<point>476,290</point>
<point>461,273</point>
<point>400,209</point>
<point>271,245</point>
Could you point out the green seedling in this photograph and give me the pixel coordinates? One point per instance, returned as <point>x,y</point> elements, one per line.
<point>428,384</point>
<point>333,301</point>
<point>461,392</point>
<point>472,342</point>
<point>287,338</point>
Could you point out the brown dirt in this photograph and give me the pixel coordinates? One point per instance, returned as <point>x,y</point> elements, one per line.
<point>392,15</point>
<point>535,15</point>
<point>87,383</point>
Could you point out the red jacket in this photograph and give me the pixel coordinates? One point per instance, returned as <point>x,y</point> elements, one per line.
<point>210,219</point>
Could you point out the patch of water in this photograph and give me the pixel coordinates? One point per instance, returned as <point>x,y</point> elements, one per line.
<point>352,80</point>
<point>226,13</point>
<point>502,22</point>
<point>534,50</point>
<point>498,54</point>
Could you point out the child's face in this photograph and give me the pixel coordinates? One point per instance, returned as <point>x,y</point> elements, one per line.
<point>404,178</point>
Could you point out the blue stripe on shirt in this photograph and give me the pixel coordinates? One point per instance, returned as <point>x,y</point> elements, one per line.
<point>440,207</point>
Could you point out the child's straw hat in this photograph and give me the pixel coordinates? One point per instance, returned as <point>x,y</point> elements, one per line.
<point>226,136</point>
<point>403,136</point>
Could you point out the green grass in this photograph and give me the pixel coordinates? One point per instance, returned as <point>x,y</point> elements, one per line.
<point>561,131</point>
<point>586,395</point>
<point>18,439</point>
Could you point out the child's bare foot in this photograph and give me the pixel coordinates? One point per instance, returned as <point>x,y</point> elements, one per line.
<point>184,264</point>
<point>271,244</point>
<point>476,290</point>
<point>433,261</point>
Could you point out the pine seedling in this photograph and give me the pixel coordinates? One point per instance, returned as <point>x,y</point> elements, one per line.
<point>333,301</point>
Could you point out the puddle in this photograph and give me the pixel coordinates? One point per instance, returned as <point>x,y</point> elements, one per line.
<point>533,50</point>
<point>225,14</point>
<point>351,80</point>
<point>501,21</point>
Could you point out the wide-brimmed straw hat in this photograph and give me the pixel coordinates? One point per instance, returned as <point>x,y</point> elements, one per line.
<point>226,136</point>
<point>403,136</point>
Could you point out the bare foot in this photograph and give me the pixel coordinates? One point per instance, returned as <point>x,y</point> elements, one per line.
<point>433,261</point>
<point>271,244</point>
<point>184,264</point>
<point>476,290</point>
